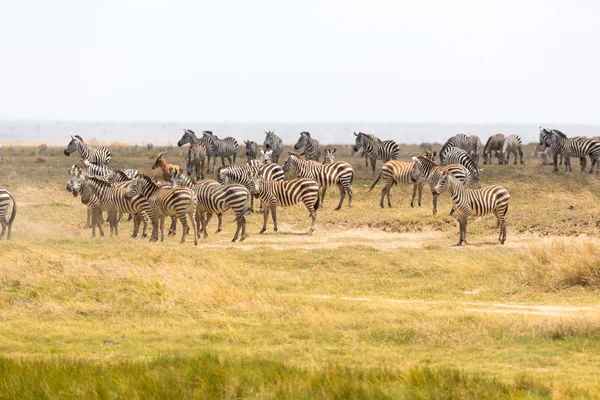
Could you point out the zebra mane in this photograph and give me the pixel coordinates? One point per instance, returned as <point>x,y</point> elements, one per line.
<point>99,180</point>
<point>221,168</point>
<point>79,137</point>
<point>559,133</point>
<point>293,153</point>
<point>305,133</point>
<point>426,160</point>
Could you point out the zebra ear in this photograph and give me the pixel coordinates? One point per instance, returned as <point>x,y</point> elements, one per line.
<point>262,152</point>
<point>355,134</point>
<point>415,159</point>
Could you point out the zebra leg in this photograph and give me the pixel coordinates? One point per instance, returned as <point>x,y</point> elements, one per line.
<point>502,225</point>
<point>117,221</point>
<point>173,227</point>
<point>97,215</point>
<point>412,200</point>
<point>239,228</point>
<point>462,220</point>
<point>420,192</point>
<point>313,217</point>
<point>342,196</point>
<point>265,217</point>
<point>521,155</point>
<point>348,189</point>
<point>3,223</point>
<point>130,217</point>
<point>322,194</point>
<point>274,212</point>
<point>373,163</point>
<point>88,222</point>
<point>229,159</point>
<point>243,219</point>
<point>136,225</point>
<point>555,161</point>
<point>162,229</point>
<point>435,199</point>
<point>220,222</point>
<point>201,171</point>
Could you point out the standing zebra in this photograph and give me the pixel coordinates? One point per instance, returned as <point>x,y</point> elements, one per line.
<point>165,202</point>
<point>393,173</point>
<point>375,149</point>
<point>224,148</point>
<point>251,151</point>
<point>88,198</point>
<point>312,148</point>
<point>6,198</point>
<point>197,153</point>
<point>475,202</point>
<point>569,147</point>
<point>494,143</point>
<point>98,156</point>
<point>426,169</point>
<point>460,141</point>
<point>273,142</point>
<point>286,194</point>
<point>511,144</point>
<point>455,155</point>
<point>474,148</point>
<point>340,174</point>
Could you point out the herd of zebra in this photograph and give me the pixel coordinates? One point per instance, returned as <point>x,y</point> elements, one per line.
<point>183,194</point>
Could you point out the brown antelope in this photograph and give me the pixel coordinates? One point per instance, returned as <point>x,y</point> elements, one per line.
<point>167,169</point>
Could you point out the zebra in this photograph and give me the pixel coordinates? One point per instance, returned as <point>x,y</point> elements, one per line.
<point>251,152</point>
<point>96,170</point>
<point>425,168</point>
<point>375,149</point>
<point>393,173</point>
<point>6,198</point>
<point>460,140</point>
<point>329,155</point>
<point>114,199</point>
<point>286,194</point>
<point>266,157</point>
<point>244,175</point>
<point>511,144</point>
<point>494,143</point>
<point>475,202</point>
<point>199,151</point>
<point>165,202</point>
<point>569,147</point>
<point>474,148</point>
<point>312,148</point>
<point>76,175</point>
<point>98,156</point>
<point>273,142</point>
<point>456,155</point>
<point>224,148</point>
<point>340,174</point>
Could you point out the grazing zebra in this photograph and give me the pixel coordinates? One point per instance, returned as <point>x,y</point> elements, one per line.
<point>6,198</point>
<point>340,174</point>
<point>286,194</point>
<point>375,149</point>
<point>166,168</point>
<point>475,202</point>
<point>474,148</point>
<point>42,150</point>
<point>98,156</point>
<point>569,147</point>
<point>165,202</point>
<point>425,169</point>
<point>312,148</point>
<point>114,199</point>
<point>251,152</point>
<point>196,155</point>
<point>494,143</point>
<point>455,155</point>
<point>224,148</point>
<point>511,144</point>
<point>393,173</point>
<point>273,142</point>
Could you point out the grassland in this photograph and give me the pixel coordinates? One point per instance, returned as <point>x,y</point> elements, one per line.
<point>374,304</point>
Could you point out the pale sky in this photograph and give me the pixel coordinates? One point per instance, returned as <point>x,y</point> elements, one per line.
<point>242,61</point>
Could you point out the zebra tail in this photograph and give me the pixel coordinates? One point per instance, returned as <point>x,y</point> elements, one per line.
<point>375,183</point>
<point>318,202</point>
<point>14,210</point>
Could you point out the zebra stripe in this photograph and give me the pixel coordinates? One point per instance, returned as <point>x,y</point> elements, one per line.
<point>6,198</point>
<point>393,173</point>
<point>375,149</point>
<point>474,148</point>
<point>251,150</point>
<point>165,202</point>
<point>426,169</point>
<point>244,175</point>
<point>340,174</point>
<point>202,150</point>
<point>494,143</point>
<point>570,147</point>
<point>460,141</point>
<point>312,148</point>
<point>511,144</point>
<point>98,156</point>
<point>286,194</point>
<point>456,155</point>
<point>475,202</point>
<point>224,148</point>
<point>273,142</point>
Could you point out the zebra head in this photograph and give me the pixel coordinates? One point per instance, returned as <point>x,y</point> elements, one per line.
<point>545,137</point>
<point>222,175</point>
<point>256,184</point>
<point>442,183</point>
<point>269,139</point>
<point>417,171</point>
<point>87,191</point>
<point>251,148</point>
<point>75,180</point>
<point>304,136</point>
<point>176,179</point>
<point>330,155</point>
<point>73,145</point>
<point>291,162</point>
<point>136,188</point>
<point>266,156</point>
<point>359,141</point>
<point>159,160</point>
<point>188,137</point>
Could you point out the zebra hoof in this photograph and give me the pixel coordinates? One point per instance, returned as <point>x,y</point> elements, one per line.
<point>218,230</point>
<point>243,238</point>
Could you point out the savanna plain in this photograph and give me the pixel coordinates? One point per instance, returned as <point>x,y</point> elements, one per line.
<point>375,304</point>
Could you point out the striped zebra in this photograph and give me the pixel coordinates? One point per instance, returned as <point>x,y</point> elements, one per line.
<point>511,144</point>
<point>474,148</point>
<point>88,198</point>
<point>339,173</point>
<point>494,143</point>
<point>375,149</point>
<point>329,155</point>
<point>286,194</point>
<point>266,157</point>
<point>273,142</point>
<point>212,198</point>
<point>165,202</point>
<point>251,150</point>
<point>312,148</point>
<point>460,141</point>
<point>475,202</point>
<point>569,147</point>
<point>200,151</point>
<point>456,155</point>
<point>224,148</point>
<point>425,169</point>
<point>244,175</point>
<point>98,156</point>
<point>6,198</point>
<point>393,173</point>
